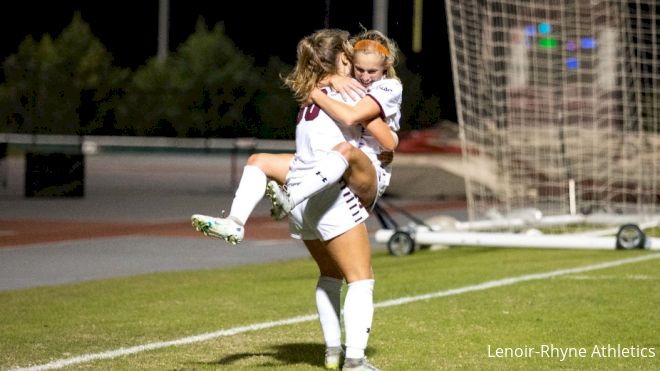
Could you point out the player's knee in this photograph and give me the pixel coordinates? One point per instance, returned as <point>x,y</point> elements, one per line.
<point>256,159</point>
<point>329,269</point>
<point>359,275</point>
<point>345,149</point>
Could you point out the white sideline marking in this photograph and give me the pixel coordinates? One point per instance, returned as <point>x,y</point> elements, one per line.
<point>512,280</point>
<point>295,320</point>
<point>630,277</point>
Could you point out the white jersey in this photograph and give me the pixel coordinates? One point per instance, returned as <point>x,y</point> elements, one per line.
<point>388,94</point>
<point>336,209</point>
<point>316,135</point>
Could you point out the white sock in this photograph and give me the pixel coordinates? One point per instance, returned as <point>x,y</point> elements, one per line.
<point>328,298</point>
<point>250,191</point>
<point>358,315</point>
<point>326,172</point>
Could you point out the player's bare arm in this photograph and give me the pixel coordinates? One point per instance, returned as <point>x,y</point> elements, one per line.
<point>364,111</point>
<point>387,138</point>
<point>348,87</point>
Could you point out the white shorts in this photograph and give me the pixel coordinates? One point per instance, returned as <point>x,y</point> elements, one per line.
<point>384,177</point>
<point>327,214</point>
<point>382,182</point>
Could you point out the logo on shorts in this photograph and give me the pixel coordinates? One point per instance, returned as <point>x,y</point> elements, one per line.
<point>324,179</point>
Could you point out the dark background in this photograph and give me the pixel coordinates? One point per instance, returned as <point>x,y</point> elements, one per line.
<point>129,29</point>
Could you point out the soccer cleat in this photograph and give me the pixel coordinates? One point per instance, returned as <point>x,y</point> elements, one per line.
<point>358,364</point>
<point>225,228</point>
<point>279,197</point>
<point>333,357</point>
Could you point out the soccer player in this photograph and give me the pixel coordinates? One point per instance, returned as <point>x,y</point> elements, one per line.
<point>331,224</point>
<point>364,165</point>
<point>373,65</point>
<point>333,219</point>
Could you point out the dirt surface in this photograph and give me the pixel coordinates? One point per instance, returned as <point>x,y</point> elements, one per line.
<point>25,232</point>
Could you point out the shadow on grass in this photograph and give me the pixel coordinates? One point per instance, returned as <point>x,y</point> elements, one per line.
<point>290,354</point>
<point>282,354</point>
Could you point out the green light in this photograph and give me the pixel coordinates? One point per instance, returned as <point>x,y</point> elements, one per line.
<point>547,42</point>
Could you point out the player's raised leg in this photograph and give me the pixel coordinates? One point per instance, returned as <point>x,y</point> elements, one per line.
<point>344,161</point>
<point>250,191</point>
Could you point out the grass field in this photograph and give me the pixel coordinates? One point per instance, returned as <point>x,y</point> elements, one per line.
<point>461,325</point>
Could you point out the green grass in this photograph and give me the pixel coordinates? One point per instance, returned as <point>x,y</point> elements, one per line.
<point>609,306</point>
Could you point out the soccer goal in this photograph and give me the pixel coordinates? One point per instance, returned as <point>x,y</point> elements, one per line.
<point>558,104</point>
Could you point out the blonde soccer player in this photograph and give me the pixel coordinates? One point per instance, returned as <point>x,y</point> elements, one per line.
<point>334,218</point>
<point>331,224</point>
<point>360,165</point>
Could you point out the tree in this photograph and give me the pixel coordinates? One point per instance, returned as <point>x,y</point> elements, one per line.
<point>275,105</point>
<point>61,86</point>
<point>205,88</point>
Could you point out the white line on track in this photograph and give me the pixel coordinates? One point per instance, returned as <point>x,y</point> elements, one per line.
<point>300,319</point>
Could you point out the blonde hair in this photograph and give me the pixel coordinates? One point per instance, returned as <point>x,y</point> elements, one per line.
<point>317,57</point>
<point>374,41</point>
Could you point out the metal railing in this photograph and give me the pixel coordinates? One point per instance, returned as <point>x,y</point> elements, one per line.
<point>90,145</point>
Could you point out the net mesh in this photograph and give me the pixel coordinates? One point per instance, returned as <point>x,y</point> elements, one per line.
<point>558,105</point>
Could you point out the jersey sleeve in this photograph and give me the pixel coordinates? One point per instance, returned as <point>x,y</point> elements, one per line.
<point>388,94</point>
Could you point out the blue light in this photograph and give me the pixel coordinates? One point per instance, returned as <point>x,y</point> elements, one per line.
<point>572,63</point>
<point>530,30</point>
<point>545,28</point>
<point>587,43</point>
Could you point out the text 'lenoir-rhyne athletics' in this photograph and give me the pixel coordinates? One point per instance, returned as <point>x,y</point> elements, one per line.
<point>564,353</point>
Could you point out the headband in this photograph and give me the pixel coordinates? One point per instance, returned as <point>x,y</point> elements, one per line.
<point>371,45</point>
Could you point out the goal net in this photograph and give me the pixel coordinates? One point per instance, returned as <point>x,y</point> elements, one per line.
<point>558,104</point>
